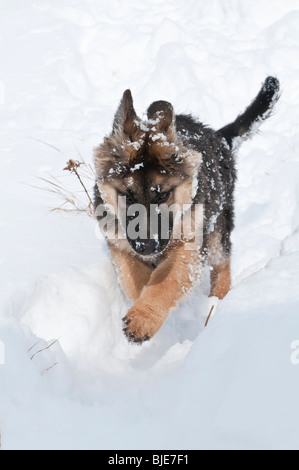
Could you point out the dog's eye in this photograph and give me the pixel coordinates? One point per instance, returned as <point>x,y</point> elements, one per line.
<point>129,198</point>
<point>163,196</point>
<point>121,194</point>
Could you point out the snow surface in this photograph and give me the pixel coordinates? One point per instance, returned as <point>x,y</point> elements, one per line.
<point>70,380</point>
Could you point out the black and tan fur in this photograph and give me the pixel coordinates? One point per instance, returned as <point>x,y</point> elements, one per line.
<point>172,159</point>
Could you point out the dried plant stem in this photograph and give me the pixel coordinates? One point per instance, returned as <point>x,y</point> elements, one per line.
<point>209,316</point>
<point>33,346</point>
<point>70,200</point>
<point>79,178</point>
<point>72,166</point>
<point>49,368</point>
<point>43,349</point>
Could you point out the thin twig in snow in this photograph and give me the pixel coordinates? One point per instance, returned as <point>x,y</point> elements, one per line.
<point>209,316</point>
<point>43,349</point>
<point>48,368</point>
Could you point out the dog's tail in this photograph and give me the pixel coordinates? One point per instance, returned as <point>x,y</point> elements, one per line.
<point>248,122</point>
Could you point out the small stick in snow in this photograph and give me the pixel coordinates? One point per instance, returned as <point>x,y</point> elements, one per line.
<point>209,316</point>
<point>43,349</point>
<point>49,368</point>
<point>33,346</point>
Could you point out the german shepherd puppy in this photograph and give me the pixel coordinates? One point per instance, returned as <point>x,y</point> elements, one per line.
<point>170,160</point>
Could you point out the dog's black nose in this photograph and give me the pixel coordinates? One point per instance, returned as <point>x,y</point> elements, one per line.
<point>146,247</point>
<point>140,247</point>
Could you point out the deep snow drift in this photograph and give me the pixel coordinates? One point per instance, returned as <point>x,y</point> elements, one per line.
<point>69,378</point>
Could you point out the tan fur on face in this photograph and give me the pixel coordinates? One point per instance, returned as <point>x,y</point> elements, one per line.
<point>179,202</point>
<point>183,193</point>
<point>115,154</point>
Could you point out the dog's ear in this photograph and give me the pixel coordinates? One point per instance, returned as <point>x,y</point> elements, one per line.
<point>125,117</point>
<point>161,112</point>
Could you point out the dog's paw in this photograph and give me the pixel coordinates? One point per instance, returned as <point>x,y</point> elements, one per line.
<point>140,324</point>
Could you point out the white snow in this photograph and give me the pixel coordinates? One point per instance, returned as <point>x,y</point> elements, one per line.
<point>136,167</point>
<point>233,384</point>
<point>158,136</point>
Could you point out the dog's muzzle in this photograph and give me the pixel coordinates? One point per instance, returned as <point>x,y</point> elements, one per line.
<point>156,236</point>
<point>148,247</point>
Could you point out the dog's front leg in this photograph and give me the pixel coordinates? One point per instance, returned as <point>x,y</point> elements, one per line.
<point>169,282</point>
<point>132,272</point>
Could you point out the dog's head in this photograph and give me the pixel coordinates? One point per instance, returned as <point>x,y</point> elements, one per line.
<point>144,169</point>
